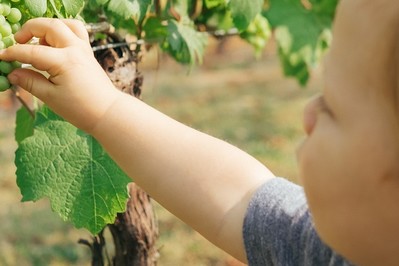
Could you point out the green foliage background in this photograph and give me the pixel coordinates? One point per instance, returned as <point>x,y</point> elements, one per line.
<point>231,96</point>
<point>181,28</point>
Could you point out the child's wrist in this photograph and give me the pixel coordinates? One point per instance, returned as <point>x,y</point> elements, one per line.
<point>99,107</point>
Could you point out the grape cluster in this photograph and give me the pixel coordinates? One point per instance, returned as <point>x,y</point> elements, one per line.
<point>10,18</point>
<point>258,33</point>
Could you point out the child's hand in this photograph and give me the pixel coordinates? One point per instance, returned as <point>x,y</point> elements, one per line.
<point>77,88</point>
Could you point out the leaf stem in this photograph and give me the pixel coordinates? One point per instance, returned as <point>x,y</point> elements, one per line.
<point>196,9</point>
<point>22,101</point>
<point>158,10</point>
<point>58,14</point>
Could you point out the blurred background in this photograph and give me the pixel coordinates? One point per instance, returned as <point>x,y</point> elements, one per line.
<point>233,96</point>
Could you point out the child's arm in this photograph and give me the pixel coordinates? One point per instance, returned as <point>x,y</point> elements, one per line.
<point>202,180</point>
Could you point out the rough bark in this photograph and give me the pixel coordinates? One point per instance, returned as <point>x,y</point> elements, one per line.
<point>134,232</point>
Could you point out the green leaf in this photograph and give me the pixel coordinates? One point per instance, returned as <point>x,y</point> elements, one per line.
<point>56,8</point>
<point>144,6</point>
<point>23,125</point>
<point>185,8</point>
<point>127,24</point>
<point>37,8</point>
<point>181,7</point>
<point>155,31</point>
<point>45,114</point>
<point>300,33</point>
<point>101,2</point>
<point>128,9</point>
<point>244,11</point>
<point>93,11</point>
<point>327,8</point>
<point>214,3</point>
<point>123,8</point>
<point>218,18</point>
<point>73,7</point>
<point>70,168</point>
<point>184,43</point>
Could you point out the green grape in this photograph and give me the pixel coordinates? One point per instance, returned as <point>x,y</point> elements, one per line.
<point>6,67</point>
<point>16,64</point>
<point>14,16</point>
<point>259,43</point>
<point>8,41</point>
<point>251,28</point>
<point>5,29</point>
<point>6,9</point>
<point>15,27</point>
<point>9,24</point>
<point>4,83</point>
<point>257,34</point>
<point>263,27</point>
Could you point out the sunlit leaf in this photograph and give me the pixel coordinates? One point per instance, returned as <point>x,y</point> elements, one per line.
<point>70,168</point>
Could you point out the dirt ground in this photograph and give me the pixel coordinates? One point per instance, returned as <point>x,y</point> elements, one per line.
<point>230,90</point>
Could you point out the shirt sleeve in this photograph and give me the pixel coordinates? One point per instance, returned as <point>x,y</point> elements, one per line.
<point>278,229</point>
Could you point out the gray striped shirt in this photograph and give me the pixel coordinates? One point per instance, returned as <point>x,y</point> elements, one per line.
<point>278,229</point>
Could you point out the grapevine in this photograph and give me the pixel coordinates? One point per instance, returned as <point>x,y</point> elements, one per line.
<point>10,18</point>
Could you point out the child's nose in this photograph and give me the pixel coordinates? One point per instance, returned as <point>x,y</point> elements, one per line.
<point>310,115</point>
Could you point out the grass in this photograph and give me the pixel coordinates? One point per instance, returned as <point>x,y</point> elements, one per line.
<point>245,102</point>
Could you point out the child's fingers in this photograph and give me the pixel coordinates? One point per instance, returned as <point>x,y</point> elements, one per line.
<point>54,31</point>
<point>41,57</point>
<point>78,28</point>
<point>31,81</point>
